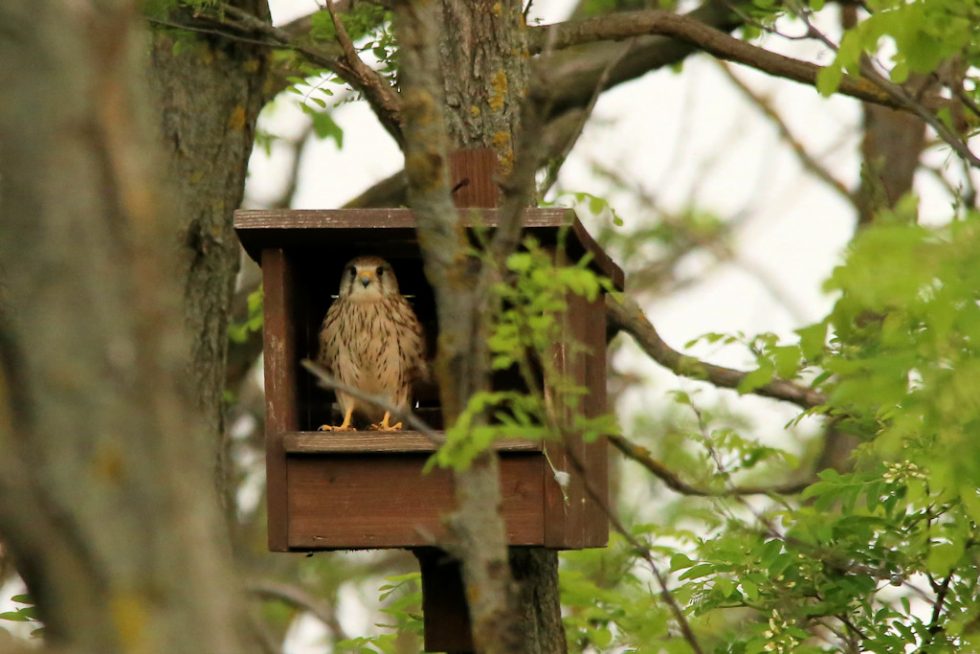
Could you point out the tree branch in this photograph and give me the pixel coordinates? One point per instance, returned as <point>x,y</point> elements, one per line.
<point>378,92</point>
<point>301,599</point>
<point>670,478</point>
<point>704,37</point>
<point>573,73</point>
<point>236,24</point>
<point>624,314</point>
<point>460,363</point>
<point>641,549</point>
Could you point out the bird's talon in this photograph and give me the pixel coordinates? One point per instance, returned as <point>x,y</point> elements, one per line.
<point>381,426</point>
<point>336,428</point>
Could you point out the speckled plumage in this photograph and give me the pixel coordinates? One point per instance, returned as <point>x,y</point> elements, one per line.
<point>371,339</point>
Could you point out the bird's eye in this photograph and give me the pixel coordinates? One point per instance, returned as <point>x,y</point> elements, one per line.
<point>381,270</point>
<point>353,271</point>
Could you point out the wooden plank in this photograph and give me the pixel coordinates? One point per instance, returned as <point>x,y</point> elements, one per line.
<point>380,442</point>
<point>366,501</point>
<point>444,608</point>
<point>339,229</point>
<point>280,388</point>
<point>596,454</point>
<point>473,177</point>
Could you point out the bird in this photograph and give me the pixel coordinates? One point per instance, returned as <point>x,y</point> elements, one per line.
<point>372,340</point>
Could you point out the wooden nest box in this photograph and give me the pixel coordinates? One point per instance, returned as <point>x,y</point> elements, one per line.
<point>366,490</point>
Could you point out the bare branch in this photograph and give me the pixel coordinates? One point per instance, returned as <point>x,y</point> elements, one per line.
<point>624,314</point>
<point>704,37</point>
<point>301,599</point>
<point>806,159</point>
<point>670,478</point>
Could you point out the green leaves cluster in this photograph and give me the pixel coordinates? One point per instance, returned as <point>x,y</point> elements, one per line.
<point>238,331</point>
<point>923,33</point>
<point>24,613</point>
<point>402,598</point>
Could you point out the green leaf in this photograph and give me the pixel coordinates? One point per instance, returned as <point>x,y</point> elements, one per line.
<point>812,340</point>
<point>325,127</point>
<point>680,561</point>
<point>943,556</point>
<point>757,378</point>
<point>15,616</point>
<point>828,79</point>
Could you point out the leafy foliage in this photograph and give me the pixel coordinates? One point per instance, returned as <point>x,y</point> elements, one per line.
<point>532,301</point>
<point>238,332</point>
<point>882,558</point>
<point>402,595</point>
<point>923,35</point>
<point>25,613</point>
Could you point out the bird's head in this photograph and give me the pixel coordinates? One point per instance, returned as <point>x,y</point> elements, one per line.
<point>368,279</point>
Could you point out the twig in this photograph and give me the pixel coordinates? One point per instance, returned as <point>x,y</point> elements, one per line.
<point>233,22</point>
<point>374,87</point>
<point>624,314</point>
<point>805,158</point>
<point>670,478</point>
<point>407,415</point>
<point>641,549</point>
<point>555,164</point>
<point>937,610</point>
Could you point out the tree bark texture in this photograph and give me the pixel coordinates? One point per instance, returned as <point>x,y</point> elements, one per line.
<point>106,492</point>
<point>482,66</point>
<point>484,58</point>
<point>209,92</point>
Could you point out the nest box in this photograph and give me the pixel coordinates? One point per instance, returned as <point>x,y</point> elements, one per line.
<point>366,490</point>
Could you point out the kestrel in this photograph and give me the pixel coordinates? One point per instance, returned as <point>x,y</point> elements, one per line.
<point>371,339</point>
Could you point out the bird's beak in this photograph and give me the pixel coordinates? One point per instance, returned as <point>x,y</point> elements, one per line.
<point>366,277</point>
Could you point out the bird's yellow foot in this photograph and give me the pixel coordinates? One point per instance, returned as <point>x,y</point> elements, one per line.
<point>336,428</point>
<point>384,426</point>
<point>344,426</point>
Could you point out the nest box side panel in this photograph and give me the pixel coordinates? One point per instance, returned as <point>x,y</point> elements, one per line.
<point>279,346</point>
<point>596,454</point>
<point>367,501</point>
<point>575,514</point>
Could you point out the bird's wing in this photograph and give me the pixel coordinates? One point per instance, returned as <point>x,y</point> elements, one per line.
<point>329,339</point>
<point>411,339</point>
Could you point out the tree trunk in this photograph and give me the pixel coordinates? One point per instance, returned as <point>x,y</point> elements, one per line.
<point>209,92</point>
<point>485,68</point>
<point>106,492</point>
<point>482,59</point>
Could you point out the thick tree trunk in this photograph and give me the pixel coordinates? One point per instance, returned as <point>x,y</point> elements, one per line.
<point>209,92</point>
<point>106,492</point>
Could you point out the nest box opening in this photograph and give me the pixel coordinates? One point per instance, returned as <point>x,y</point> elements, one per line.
<point>318,275</point>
